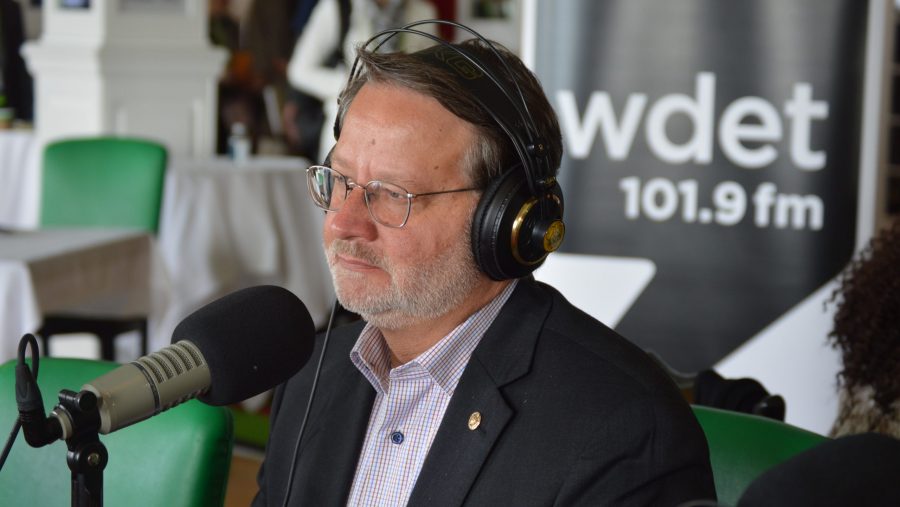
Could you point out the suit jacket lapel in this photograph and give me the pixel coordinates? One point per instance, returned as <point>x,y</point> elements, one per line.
<point>346,403</point>
<point>458,453</point>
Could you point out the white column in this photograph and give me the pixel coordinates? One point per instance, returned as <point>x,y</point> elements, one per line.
<point>127,67</point>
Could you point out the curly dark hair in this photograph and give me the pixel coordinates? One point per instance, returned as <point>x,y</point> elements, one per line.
<point>867,320</point>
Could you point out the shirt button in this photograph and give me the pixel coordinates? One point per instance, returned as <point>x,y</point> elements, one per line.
<point>397,437</point>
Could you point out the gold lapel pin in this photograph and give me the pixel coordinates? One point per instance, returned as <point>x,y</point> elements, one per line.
<point>474,420</point>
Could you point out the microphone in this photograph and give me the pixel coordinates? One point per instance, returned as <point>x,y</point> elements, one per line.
<point>231,349</point>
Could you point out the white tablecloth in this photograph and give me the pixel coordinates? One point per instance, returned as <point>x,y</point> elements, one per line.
<point>92,271</point>
<point>225,227</point>
<point>20,179</point>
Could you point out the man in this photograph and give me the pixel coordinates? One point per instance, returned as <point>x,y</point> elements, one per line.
<point>460,389</point>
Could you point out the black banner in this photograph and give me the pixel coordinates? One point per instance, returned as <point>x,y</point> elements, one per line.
<point>720,140</point>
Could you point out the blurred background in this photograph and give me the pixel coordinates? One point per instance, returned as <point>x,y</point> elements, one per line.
<point>725,162</point>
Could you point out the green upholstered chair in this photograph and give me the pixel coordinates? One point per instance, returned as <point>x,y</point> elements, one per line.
<point>743,446</point>
<point>104,182</point>
<point>180,457</point>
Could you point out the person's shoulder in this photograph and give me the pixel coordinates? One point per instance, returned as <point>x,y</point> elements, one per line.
<point>859,413</point>
<point>592,352</point>
<point>322,18</point>
<point>601,382</point>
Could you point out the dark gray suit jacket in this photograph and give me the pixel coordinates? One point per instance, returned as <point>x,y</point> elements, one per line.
<point>572,414</point>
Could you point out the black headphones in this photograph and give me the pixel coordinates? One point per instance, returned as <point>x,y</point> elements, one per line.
<point>518,221</point>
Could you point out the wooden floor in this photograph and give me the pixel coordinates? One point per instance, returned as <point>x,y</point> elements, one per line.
<point>242,477</point>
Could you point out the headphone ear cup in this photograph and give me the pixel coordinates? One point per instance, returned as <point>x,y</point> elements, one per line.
<point>486,224</point>
<point>508,231</point>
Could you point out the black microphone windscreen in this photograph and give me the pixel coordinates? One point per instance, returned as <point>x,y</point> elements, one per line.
<point>852,470</point>
<point>252,340</point>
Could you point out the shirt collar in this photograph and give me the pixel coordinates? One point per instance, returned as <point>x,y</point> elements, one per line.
<point>444,362</point>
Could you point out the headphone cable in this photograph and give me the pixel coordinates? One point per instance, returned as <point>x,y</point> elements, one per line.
<point>27,341</point>
<point>312,395</point>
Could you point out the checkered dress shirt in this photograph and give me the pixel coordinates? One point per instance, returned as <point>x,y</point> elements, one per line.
<point>410,402</point>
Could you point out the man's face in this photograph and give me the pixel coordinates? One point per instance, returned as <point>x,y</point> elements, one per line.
<point>397,277</point>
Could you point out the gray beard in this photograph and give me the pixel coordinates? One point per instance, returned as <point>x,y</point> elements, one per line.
<point>417,293</point>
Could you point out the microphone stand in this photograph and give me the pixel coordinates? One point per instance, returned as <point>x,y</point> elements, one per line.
<point>76,419</point>
<point>87,456</point>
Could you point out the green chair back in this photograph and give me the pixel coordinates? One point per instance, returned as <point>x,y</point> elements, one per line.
<point>178,458</point>
<point>743,446</point>
<point>103,181</point>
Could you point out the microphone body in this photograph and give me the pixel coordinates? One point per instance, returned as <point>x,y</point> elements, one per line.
<point>231,349</point>
<point>150,385</point>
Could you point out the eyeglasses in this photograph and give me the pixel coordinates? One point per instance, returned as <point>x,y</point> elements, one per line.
<point>388,204</point>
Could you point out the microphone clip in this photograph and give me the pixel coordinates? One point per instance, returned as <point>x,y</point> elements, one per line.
<point>76,419</point>
<point>79,418</point>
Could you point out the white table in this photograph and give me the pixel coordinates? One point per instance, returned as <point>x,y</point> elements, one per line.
<point>91,271</point>
<point>20,179</point>
<point>226,226</point>
<point>223,227</point>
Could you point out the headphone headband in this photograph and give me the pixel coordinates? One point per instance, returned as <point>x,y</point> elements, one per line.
<point>510,114</point>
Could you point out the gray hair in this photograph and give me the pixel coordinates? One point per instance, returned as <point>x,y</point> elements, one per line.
<point>493,151</point>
